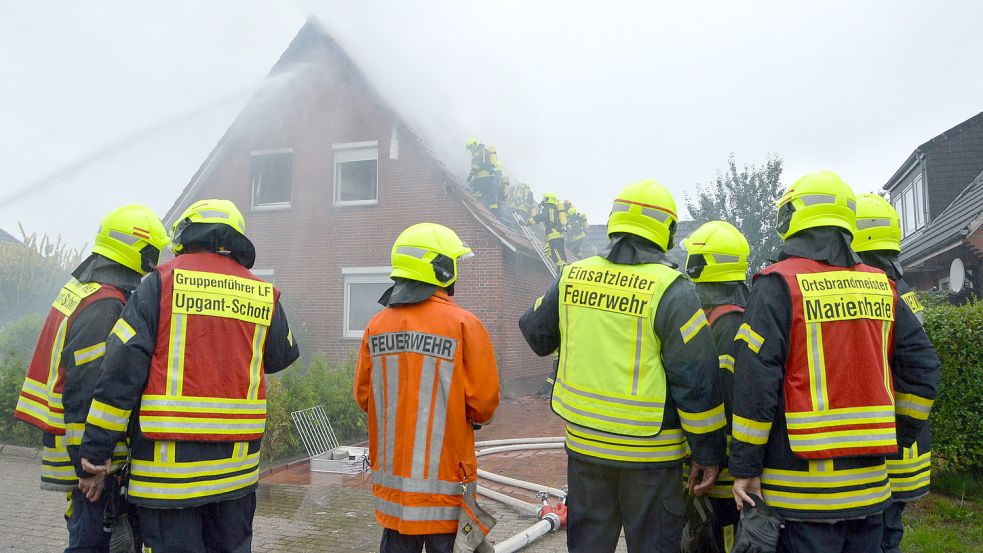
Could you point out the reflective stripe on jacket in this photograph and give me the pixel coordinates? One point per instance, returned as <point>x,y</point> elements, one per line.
<point>425,372</point>
<point>723,487</point>
<point>910,469</point>
<point>610,376</point>
<point>835,406</point>
<point>187,397</point>
<point>40,401</point>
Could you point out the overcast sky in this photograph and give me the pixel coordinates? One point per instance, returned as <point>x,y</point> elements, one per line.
<point>104,103</point>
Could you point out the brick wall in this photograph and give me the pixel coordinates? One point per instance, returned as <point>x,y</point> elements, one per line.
<point>325,102</point>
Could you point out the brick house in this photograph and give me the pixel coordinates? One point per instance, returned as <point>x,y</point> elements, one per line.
<point>938,192</point>
<point>327,175</point>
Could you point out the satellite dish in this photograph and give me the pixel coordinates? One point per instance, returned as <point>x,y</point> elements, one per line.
<point>957,275</point>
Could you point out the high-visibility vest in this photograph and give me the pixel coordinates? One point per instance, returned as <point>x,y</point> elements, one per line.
<point>610,376</point>
<point>839,396</point>
<point>206,380</point>
<point>420,388</point>
<point>40,401</point>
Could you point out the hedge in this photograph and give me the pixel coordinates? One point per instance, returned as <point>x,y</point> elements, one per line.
<point>957,424</point>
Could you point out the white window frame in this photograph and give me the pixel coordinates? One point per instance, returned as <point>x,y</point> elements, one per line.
<point>252,189</point>
<point>351,147</point>
<point>918,189</point>
<point>269,275</point>
<point>360,275</point>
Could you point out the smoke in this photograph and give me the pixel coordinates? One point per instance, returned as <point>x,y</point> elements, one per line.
<point>119,147</point>
<point>579,98</point>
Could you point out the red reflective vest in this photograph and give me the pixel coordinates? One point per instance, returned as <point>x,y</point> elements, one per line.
<point>40,400</point>
<point>839,397</point>
<point>718,311</point>
<point>206,379</point>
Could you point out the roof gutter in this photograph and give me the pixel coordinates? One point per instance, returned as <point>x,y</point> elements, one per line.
<point>905,168</point>
<point>957,241</point>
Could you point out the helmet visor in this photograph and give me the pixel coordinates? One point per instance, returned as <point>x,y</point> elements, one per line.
<point>784,219</point>
<point>149,258</point>
<point>695,264</point>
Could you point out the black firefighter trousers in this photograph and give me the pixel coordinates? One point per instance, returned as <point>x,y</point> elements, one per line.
<point>221,527</point>
<point>648,502</point>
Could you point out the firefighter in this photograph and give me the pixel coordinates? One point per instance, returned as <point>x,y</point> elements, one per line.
<point>496,191</point>
<point>815,412</point>
<point>482,167</point>
<point>426,373</point>
<point>638,378</point>
<point>554,221</point>
<point>68,360</point>
<point>519,200</point>
<point>877,240</point>
<point>576,229</point>
<point>717,262</point>
<point>184,369</point>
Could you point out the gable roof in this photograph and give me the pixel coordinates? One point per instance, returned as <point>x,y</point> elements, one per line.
<point>952,159</point>
<point>961,218</point>
<point>6,238</point>
<point>311,38</point>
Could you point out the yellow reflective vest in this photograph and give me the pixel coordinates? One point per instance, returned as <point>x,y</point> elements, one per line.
<point>610,377</point>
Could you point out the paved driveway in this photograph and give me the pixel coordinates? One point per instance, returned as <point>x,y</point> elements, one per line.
<point>296,513</point>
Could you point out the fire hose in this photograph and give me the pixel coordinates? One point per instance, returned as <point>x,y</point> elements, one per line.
<point>552,518</point>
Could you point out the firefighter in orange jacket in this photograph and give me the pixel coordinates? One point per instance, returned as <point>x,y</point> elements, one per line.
<point>69,355</point>
<point>187,359</point>
<point>833,373</point>
<point>426,372</point>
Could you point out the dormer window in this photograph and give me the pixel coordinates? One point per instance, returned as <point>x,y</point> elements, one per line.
<point>910,205</point>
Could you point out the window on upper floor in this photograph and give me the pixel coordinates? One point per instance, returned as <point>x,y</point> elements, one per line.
<point>272,176</point>
<point>356,173</point>
<point>910,205</point>
<point>363,288</point>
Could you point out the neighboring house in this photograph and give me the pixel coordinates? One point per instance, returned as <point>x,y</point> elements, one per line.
<point>327,175</point>
<point>938,193</point>
<point>6,238</point>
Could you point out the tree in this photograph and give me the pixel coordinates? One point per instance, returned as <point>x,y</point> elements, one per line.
<point>745,198</point>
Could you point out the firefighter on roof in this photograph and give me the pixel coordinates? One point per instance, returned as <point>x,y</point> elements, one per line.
<point>185,371</point>
<point>550,214</point>
<point>717,262</point>
<point>69,356</point>
<point>877,239</point>
<point>426,372</point>
<point>576,229</point>
<point>482,168</point>
<point>832,373</point>
<point>638,378</point>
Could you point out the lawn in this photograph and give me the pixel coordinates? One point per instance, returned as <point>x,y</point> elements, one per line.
<point>947,522</point>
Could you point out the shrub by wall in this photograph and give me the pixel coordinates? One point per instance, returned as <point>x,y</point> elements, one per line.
<point>300,387</point>
<point>957,424</point>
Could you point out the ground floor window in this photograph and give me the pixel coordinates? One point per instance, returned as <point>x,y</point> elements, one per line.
<point>363,287</point>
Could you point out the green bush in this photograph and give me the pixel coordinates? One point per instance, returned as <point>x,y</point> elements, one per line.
<point>17,341</point>
<point>319,383</point>
<point>957,427</point>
